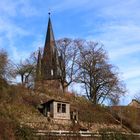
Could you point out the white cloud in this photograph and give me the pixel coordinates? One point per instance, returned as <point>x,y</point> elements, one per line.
<point>120,53</point>
<point>7,7</point>
<point>38,43</point>
<point>10,32</point>
<point>59,6</point>
<point>6,26</point>
<point>131,72</point>
<point>120,40</point>
<point>28,9</point>
<point>12,8</point>
<point>122,10</point>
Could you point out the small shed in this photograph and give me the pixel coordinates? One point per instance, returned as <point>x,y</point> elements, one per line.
<point>55,109</point>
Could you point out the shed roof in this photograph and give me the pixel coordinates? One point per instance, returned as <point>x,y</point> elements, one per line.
<point>54,100</point>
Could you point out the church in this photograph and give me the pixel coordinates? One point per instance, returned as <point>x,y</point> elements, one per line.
<point>49,72</point>
<point>50,65</point>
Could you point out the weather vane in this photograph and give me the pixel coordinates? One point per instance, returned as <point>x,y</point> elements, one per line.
<point>49,11</point>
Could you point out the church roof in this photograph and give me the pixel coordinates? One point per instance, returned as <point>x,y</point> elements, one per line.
<point>50,40</point>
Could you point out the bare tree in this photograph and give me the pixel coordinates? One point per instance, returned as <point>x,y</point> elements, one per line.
<point>99,78</point>
<point>68,54</point>
<point>26,69</point>
<point>137,97</point>
<point>6,67</point>
<point>3,63</point>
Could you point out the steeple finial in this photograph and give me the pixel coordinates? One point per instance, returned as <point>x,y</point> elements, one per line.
<point>49,12</point>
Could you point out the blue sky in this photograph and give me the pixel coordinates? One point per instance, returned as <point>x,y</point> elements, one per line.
<point>115,23</point>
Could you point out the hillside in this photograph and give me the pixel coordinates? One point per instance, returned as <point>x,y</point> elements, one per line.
<point>128,115</point>
<point>19,112</point>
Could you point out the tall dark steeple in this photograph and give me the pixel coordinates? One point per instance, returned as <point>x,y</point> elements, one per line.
<point>50,60</point>
<point>50,40</point>
<point>50,70</point>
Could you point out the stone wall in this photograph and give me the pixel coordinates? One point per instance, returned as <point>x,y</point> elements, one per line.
<point>48,85</point>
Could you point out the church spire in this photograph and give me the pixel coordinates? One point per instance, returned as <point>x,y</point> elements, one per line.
<point>50,40</point>
<point>50,55</point>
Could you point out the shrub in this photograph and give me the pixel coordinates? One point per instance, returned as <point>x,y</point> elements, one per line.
<point>24,133</point>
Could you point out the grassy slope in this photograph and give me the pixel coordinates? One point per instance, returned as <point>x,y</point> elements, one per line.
<point>11,109</point>
<point>89,115</point>
<point>19,105</point>
<point>128,115</point>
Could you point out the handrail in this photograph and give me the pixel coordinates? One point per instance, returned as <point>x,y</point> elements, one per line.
<point>78,133</point>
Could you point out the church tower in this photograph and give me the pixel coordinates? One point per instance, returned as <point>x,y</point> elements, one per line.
<point>49,64</point>
<point>50,60</point>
